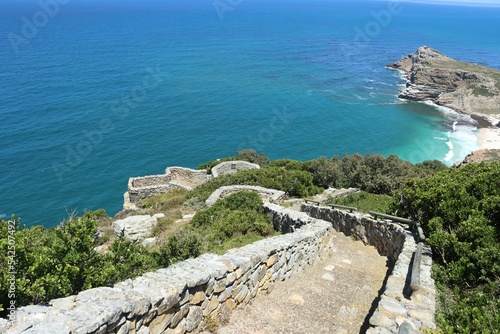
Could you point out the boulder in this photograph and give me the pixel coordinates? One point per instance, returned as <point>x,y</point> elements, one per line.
<point>136,228</point>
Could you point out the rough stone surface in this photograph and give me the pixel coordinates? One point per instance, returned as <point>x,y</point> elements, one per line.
<point>149,242</point>
<point>398,244</point>
<point>268,195</point>
<point>466,88</point>
<point>307,303</point>
<point>175,177</point>
<point>160,301</point>
<point>230,167</point>
<point>135,228</point>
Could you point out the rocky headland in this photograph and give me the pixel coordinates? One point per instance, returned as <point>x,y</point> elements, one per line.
<point>464,87</point>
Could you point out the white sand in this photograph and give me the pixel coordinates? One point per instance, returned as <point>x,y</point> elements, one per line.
<point>489,138</point>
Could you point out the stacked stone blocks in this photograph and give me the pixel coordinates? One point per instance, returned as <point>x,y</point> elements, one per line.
<point>397,304</point>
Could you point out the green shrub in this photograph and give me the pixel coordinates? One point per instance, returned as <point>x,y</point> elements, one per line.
<point>179,247</point>
<point>51,263</point>
<point>326,173</point>
<point>253,157</point>
<point>458,209</point>
<point>172,199</point>
<point>128,260</point>
<point>211,164</point>
<point>96,215</point>
<point>239,216</point>
<point>365,202</point>
<point>293,182</point>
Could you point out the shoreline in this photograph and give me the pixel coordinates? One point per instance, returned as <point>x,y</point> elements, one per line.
<point>488,139</point>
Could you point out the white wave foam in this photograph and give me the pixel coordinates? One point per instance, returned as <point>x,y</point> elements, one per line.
<point>450,153</point>
<point>451,114</point>
<point>461,142</point>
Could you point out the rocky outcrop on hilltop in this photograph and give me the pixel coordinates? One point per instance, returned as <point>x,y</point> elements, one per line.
<point>464,87</point>
<point>480,156</point>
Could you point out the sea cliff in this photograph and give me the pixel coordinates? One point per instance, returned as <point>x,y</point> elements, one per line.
<point>464,87</point>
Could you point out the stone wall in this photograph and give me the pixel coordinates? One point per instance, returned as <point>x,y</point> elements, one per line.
<point>146,186</point>
<point>268,195</point>
<point>397,304</point>
<point>187,177</point>
<point>386,237</point>
<point>229,167</point>
<point>175,177</point>
<point>147,181</point>
<point>185,296</point>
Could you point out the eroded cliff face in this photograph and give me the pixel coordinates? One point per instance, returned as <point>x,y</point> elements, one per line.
<point>464,87</point>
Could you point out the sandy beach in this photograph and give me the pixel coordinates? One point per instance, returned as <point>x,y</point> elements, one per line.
<point>489,138</point>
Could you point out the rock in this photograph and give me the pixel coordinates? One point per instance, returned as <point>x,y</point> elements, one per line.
<point>212,305</point>
<point>392,306</point>
<point>149,242</point>
<point>480,156</point>
<point>380,319</point>
<point>466,88</point>
<point>135,228</point>
<point>160,323</point>
<point>4,324</point>
<point>193,318</point>
<point>231,167</point>
<point>269,195</point>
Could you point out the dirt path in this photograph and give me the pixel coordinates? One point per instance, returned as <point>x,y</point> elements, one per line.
<point>333,296</point>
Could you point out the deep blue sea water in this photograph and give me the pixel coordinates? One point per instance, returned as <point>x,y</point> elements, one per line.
<point>99,92</point>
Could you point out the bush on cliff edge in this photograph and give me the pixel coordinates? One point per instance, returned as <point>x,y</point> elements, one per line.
<point>460,212</point>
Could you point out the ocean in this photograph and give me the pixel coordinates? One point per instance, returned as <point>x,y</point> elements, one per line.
<point>93,93</point>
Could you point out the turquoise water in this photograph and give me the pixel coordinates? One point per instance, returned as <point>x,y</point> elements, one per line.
<point>102,93</point>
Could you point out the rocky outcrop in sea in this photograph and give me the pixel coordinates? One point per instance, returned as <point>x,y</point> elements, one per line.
<point>464,87</point>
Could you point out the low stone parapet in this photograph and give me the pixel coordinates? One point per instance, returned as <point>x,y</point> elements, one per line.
<point>185,296</point>
<point>268,195</point>
<point>230,167</point>
<point>397,303</point>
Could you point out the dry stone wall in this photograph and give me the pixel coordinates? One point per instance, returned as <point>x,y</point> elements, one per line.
<point>175,177</point>
<point>143,187</point>
<point>187,177</point>
<point>269,195</point>
<point>386,237</point>
<point>230,167</point>
<point>185,296</point>
<point>397,304</point>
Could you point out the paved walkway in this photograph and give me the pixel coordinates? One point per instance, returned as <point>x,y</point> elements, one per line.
<point>333,296</point>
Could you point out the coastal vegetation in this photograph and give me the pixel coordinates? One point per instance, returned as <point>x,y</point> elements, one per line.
<point>364,201</point>
<point>459,209</point>
<point>62,261</point>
